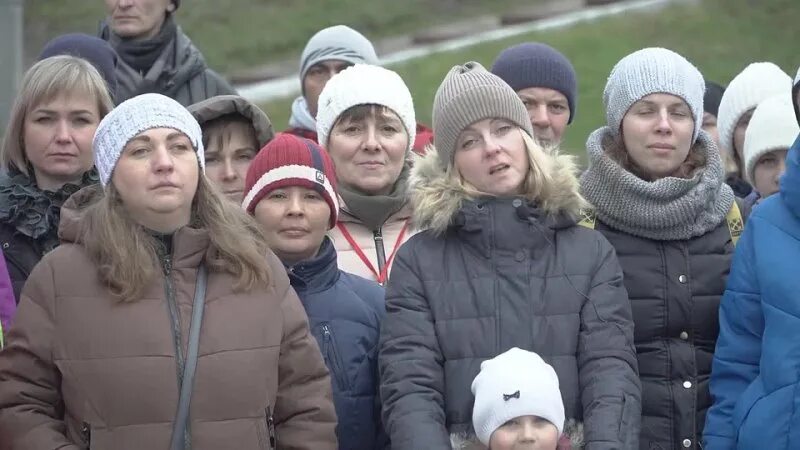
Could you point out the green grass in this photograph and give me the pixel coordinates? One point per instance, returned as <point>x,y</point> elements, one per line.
<point>719,36</point>
<point>233,34</point>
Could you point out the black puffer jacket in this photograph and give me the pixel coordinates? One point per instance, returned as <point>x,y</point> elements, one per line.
<point>504,274</point>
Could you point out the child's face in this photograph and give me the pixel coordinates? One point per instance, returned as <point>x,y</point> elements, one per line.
<point>768,171</point>
<point>525,433</point>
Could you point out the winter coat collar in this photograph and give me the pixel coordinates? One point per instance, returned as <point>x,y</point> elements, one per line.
<point>790,181</point>
<point>318,273</point>
<point>439,201</point>
<point>301,117</point>
<point>668,209</point>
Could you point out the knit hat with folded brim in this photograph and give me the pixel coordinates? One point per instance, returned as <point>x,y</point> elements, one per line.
<point>134,116</point>
<point>771,128</point>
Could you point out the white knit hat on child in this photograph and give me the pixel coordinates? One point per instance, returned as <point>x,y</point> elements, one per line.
<point>755,83</point>
<point>653,71</point>
<point>133,116</point>
<point>364,84</point>
<point>773,127</point>
<point>514,384</point>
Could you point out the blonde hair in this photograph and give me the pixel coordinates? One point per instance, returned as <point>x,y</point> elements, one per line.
<point>43,82</point>
<point>126,255</point>
<point>540,184</point>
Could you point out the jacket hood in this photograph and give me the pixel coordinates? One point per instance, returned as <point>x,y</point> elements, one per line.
<point>572,439</point>
<point>790,181</point>
<point>222,105</point>
<point>795,91</point>
<point>69,228</point>
<point>437,197</point>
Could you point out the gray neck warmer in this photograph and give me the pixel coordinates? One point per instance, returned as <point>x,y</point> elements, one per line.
<point>667,209</point>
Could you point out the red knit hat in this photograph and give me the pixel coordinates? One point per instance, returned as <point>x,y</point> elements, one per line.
<point>289,160</point>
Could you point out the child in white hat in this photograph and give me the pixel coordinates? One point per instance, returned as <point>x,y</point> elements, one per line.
<point>518,404</point>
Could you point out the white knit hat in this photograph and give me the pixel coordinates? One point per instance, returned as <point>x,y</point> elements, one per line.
<point>651,71</point>
<point>364,84</point>
<point>755,83</point>
<point>514,384</point>
<point>773,127</point>
<point>133,116</point>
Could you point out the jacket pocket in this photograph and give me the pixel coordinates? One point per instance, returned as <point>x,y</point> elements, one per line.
<point>333,359</point>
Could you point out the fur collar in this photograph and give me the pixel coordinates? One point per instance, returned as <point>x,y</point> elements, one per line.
<point>572,439</point>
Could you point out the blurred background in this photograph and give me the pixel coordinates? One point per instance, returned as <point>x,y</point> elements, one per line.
<point>253,40</point>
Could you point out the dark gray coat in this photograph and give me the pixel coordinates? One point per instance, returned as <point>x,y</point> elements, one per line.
<point>489,275</point>
<point>674,288</point>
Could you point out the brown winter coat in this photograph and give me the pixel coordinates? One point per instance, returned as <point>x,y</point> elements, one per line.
<point>83,370</point>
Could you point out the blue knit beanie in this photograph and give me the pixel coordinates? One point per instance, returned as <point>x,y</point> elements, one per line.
<point>93,49</point>
<point>533,64</point>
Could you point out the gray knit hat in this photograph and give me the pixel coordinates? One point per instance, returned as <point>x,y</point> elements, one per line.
<point>468,94</point>
<point>339,42</point>
<point>133,116</point>
<point>651,71</point>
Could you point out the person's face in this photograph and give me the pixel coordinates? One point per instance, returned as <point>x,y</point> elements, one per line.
<point>768,171</point>
<point>317,77</point>
<point>369,153</point>
<point>491,156</point>
<point>57,137</point>
<point>739,133</point>
<point>657,134</point>
<point>525,433</point>
<point>229,152</point>
<point>156,178</point>
<point>548,110</point>
<point>710,126</point>
<point>137,19</point>
<point>294,221</point>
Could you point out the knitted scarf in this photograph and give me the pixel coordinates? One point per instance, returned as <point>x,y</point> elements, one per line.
<point>667,209</point>
<point>142,54</point>
<point>373,210</point>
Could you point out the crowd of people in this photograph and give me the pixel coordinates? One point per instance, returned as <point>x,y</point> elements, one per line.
<point>177,274</point>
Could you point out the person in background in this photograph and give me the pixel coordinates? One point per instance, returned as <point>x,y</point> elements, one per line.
<point>755,83</point>
<point>501,263</point>
<point>327,53</point>
<point>545,81</point>
<point>518,406</point>
<point>711,100</point>
<point>98,353</point>
<point>656,183</point>
<point>91,48</point>
<point>366,123</point>
<point>155,55</point>
<point>233,131</point>
<point>754,381</point>
<point>771,132</point>
<point>46,156</point>
<point>291,192</point>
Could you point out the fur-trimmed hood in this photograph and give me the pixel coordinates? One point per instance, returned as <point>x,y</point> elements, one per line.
<point>571,439</point>
<point>437,197</point>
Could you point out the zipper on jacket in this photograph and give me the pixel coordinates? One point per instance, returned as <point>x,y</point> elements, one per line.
<point>380,251</point>
<point>86,434</point>
<point>333,357</point>
<point>174,315</point>
<point>273,442</point>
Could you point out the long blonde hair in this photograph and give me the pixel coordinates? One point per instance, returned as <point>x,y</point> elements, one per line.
<point>126,255</point>
<point>43,82</point>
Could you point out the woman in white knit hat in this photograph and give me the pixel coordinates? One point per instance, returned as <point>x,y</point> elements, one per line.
<point>163,320</point>
<point>754,84</point>
<point>502,263</point>
<point>771,132</point>
<point>365,120</point>
<point>656,183</point>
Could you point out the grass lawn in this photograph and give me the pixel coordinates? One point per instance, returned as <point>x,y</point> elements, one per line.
<point>240,33</point>
<point>719,36</point>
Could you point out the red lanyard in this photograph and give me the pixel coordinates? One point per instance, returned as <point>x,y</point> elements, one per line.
<point>380,277</point>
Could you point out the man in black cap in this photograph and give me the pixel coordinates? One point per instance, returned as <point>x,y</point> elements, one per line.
<point>155,55</point>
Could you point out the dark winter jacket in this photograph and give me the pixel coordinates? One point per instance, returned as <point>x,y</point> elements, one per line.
<point>180,72</point>
<point>345,313</point>
<point>755,378</point>
<point>490,274</point>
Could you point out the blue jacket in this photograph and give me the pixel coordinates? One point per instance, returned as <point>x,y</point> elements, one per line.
<point>344,313</point>
<point>755,378</point>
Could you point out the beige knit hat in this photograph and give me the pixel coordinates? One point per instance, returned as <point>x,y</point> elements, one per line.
<point>468,94</point>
